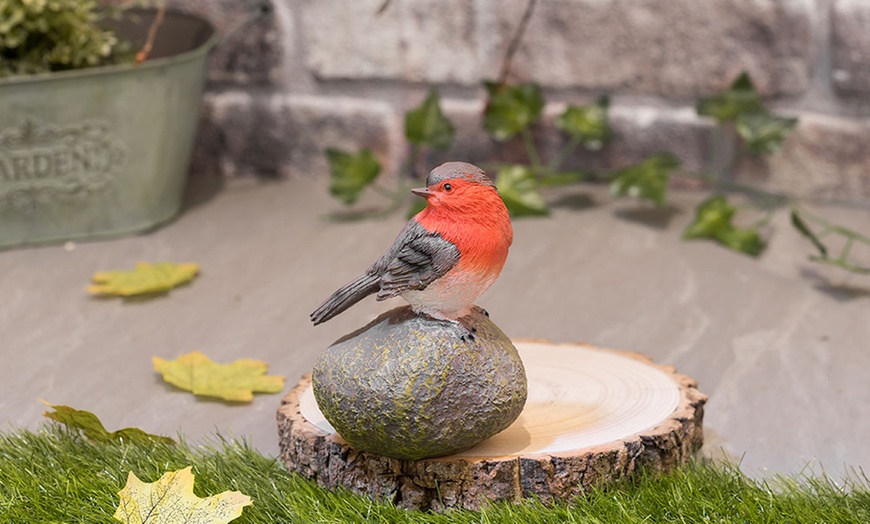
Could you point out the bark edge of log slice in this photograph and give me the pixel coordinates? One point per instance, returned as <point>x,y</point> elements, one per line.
<point>468,482</point>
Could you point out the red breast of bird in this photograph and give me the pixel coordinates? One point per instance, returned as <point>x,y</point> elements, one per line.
<point>473,217</point>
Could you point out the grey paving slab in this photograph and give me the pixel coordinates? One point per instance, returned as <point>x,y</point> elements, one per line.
<point>781,345</point>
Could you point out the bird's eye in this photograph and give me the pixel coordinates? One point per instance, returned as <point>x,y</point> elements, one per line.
<point>447,187</point>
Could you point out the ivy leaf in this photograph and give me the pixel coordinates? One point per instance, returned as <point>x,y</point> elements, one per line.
<point>647,180</point>
<point>511,109</point>
<point>145,279</point>
<point>850,236</point>
<point>236,382</point>
<point>91,427</point>
<point>763,133</point>
<point>713,220</point>
<point>519,191</point>
<point>711,216</point>
<point>427,126</point>
<point>588,123</point>
<point>350,173</point>
<point>170,500</point>
<point>805,230</point>
<point>740,98</point>
<point>747,240</point>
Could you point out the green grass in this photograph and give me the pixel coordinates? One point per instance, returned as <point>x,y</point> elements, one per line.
<point>54,475</point>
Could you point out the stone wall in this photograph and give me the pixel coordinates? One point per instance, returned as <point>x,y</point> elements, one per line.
<point>310,74</point>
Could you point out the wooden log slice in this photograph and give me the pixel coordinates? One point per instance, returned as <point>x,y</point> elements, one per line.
<point>592,416</point>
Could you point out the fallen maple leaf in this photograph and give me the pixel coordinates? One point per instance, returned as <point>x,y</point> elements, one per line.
<point>170,500</point>
<point>145,279</point>
<point>93,429</point>
<point>199,374</point>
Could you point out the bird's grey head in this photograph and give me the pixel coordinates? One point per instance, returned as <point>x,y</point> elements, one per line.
<point>463,170</point>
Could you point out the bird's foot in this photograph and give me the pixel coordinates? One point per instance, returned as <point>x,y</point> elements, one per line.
<point>480,310</point>
<point>466,332</point>
<point>462,326</point>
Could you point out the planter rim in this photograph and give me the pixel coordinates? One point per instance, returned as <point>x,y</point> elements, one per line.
<point>195,53</point>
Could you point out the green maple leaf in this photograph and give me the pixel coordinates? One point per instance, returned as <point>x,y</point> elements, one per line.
<point>511,109</point>
<point>647,180</point>
<point>170,500</point>
<point>588,123</point>
<point>145,279</point>
<point>713,221</point>
<point>91,427</point>
<point>519,191</point>
<point>235,382</point>
<point>426,125</point>
<point>351,173</point>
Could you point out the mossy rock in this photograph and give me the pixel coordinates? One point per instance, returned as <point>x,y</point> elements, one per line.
<point>408,387</point>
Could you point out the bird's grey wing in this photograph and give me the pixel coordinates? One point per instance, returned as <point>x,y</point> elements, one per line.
<point>416,259</point>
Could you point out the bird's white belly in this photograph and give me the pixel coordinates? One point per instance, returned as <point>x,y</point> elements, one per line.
<point>452,295</point>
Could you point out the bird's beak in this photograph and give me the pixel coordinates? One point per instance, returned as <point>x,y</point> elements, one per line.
<point>422,192</point>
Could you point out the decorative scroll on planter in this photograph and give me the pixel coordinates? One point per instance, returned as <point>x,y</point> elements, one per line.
<point>592,416</point>
<point>40,162</point>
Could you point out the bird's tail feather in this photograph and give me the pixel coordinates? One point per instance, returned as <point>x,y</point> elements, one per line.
<point>345,298</point>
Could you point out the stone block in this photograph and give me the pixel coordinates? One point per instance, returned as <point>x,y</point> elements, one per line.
<point>285,135</point>
<point>825,158</point>
<point>420,41</point>
<point>850,46</point>
<point>253,41</point>
<point>642,131</point>
<point>678,49</point>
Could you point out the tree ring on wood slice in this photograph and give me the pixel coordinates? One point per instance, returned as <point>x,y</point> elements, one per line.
<point>592,416</point>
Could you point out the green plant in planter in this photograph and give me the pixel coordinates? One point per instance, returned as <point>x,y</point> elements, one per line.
<point>40,36</point>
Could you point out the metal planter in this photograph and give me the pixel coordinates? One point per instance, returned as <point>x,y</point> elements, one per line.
<point>103,151</point>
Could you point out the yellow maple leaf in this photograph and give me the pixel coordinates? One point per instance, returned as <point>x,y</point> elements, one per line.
<point>146,278</point>
<point>199,374</point>
<point>170,500</point>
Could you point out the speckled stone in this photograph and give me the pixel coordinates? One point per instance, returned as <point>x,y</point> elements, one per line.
<point>409,387</point>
